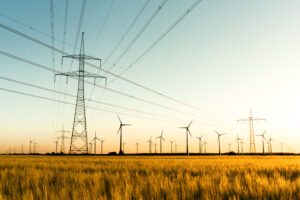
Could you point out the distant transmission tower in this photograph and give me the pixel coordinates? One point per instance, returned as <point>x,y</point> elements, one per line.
<point>79,142</point>
<point>62,137</point>
<point>252,141</point>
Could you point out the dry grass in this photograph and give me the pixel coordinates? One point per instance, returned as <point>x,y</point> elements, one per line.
<point>211,177</point>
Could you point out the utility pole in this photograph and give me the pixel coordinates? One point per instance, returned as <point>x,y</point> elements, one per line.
<point>62,137</point>
<point>252,141</point>
<point>79,141</point>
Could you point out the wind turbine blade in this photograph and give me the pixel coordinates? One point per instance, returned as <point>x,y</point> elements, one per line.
<point>119,129</point>
<point>190,124</point>
<point>189,132</point>
<point>163,139</point>
<point>161,133</point>
<point>217,132</point>
<point>119,119</point>
<point>126,125</point>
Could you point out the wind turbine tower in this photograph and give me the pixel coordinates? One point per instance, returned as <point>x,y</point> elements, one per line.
<point>229,147</point>
<point>124,147</point>
<point>200,144</point>
<point>172,141</point>
<point>95,142</point>
<point>251,120</point>
<point>79,140</point>
<point>238,143</point>
<point>137,146</point>
<point>121,133</point>
<point>263,141</point>
<point>219,140</point>
<point>187,136</point>
<point>155,144</point>
<point>176,145</point>
<point>242,145</point>
<point>204,144</point>
<point>161,138</point>
<point>150,145</point>
<point>270,144</point>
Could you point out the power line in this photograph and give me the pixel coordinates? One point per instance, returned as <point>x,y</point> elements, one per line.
<point>178,20</point>
<point>103,24</point>
<point>69,103</point>
<point>127,31</point>
<point>90,100</point>
<point>34,29</point>
<point>157,10</point>
<point>110,73</point>
<point>65,24</point>
<point>78,29</point>
<point>109,89</point>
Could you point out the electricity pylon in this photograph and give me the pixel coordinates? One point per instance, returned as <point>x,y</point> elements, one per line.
<point>56,143</point>
<point>79,141</point>
<point>30,142</point>
<point>252,141</point>
<point>62,139</point>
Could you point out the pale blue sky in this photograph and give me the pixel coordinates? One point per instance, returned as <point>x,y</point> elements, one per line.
<point>225,57</point>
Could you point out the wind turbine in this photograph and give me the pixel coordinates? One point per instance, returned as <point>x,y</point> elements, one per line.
<point>176,145</point>
<point>242,144</point>
<point>91,144</point>
<point>238,143</point>
<point>187,136</point>
<point>219,141</point>
<point>172,141</point>
<point>200,143</point>
<point>161,138</point>
<point>95,142</point>
<point>124,147</point>
<point>205,143</point>
<point>102,146</point>
<point>30,142</point>
<point>263,141</point>
<point>120,131</point>
<point>270,144</point>
<point>155,144</point>
<point>229,149</point>
<point>137,146</point>
<point>150,144</point>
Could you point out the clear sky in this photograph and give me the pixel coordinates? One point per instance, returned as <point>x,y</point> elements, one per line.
<point>226,57</point>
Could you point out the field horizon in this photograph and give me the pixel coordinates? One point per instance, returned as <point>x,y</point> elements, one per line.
<point>149,177</point>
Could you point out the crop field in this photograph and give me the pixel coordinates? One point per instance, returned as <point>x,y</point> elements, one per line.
<point>149,177</point>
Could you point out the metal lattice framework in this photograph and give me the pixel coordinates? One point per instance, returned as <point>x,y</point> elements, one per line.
<point>252,148</point>
<point>79,142</point>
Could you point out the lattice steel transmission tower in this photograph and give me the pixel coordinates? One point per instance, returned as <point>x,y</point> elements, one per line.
<point>252,141</point>
<point>79,141</point>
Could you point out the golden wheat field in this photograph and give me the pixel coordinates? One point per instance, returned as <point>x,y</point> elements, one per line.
<point>149,177</point>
